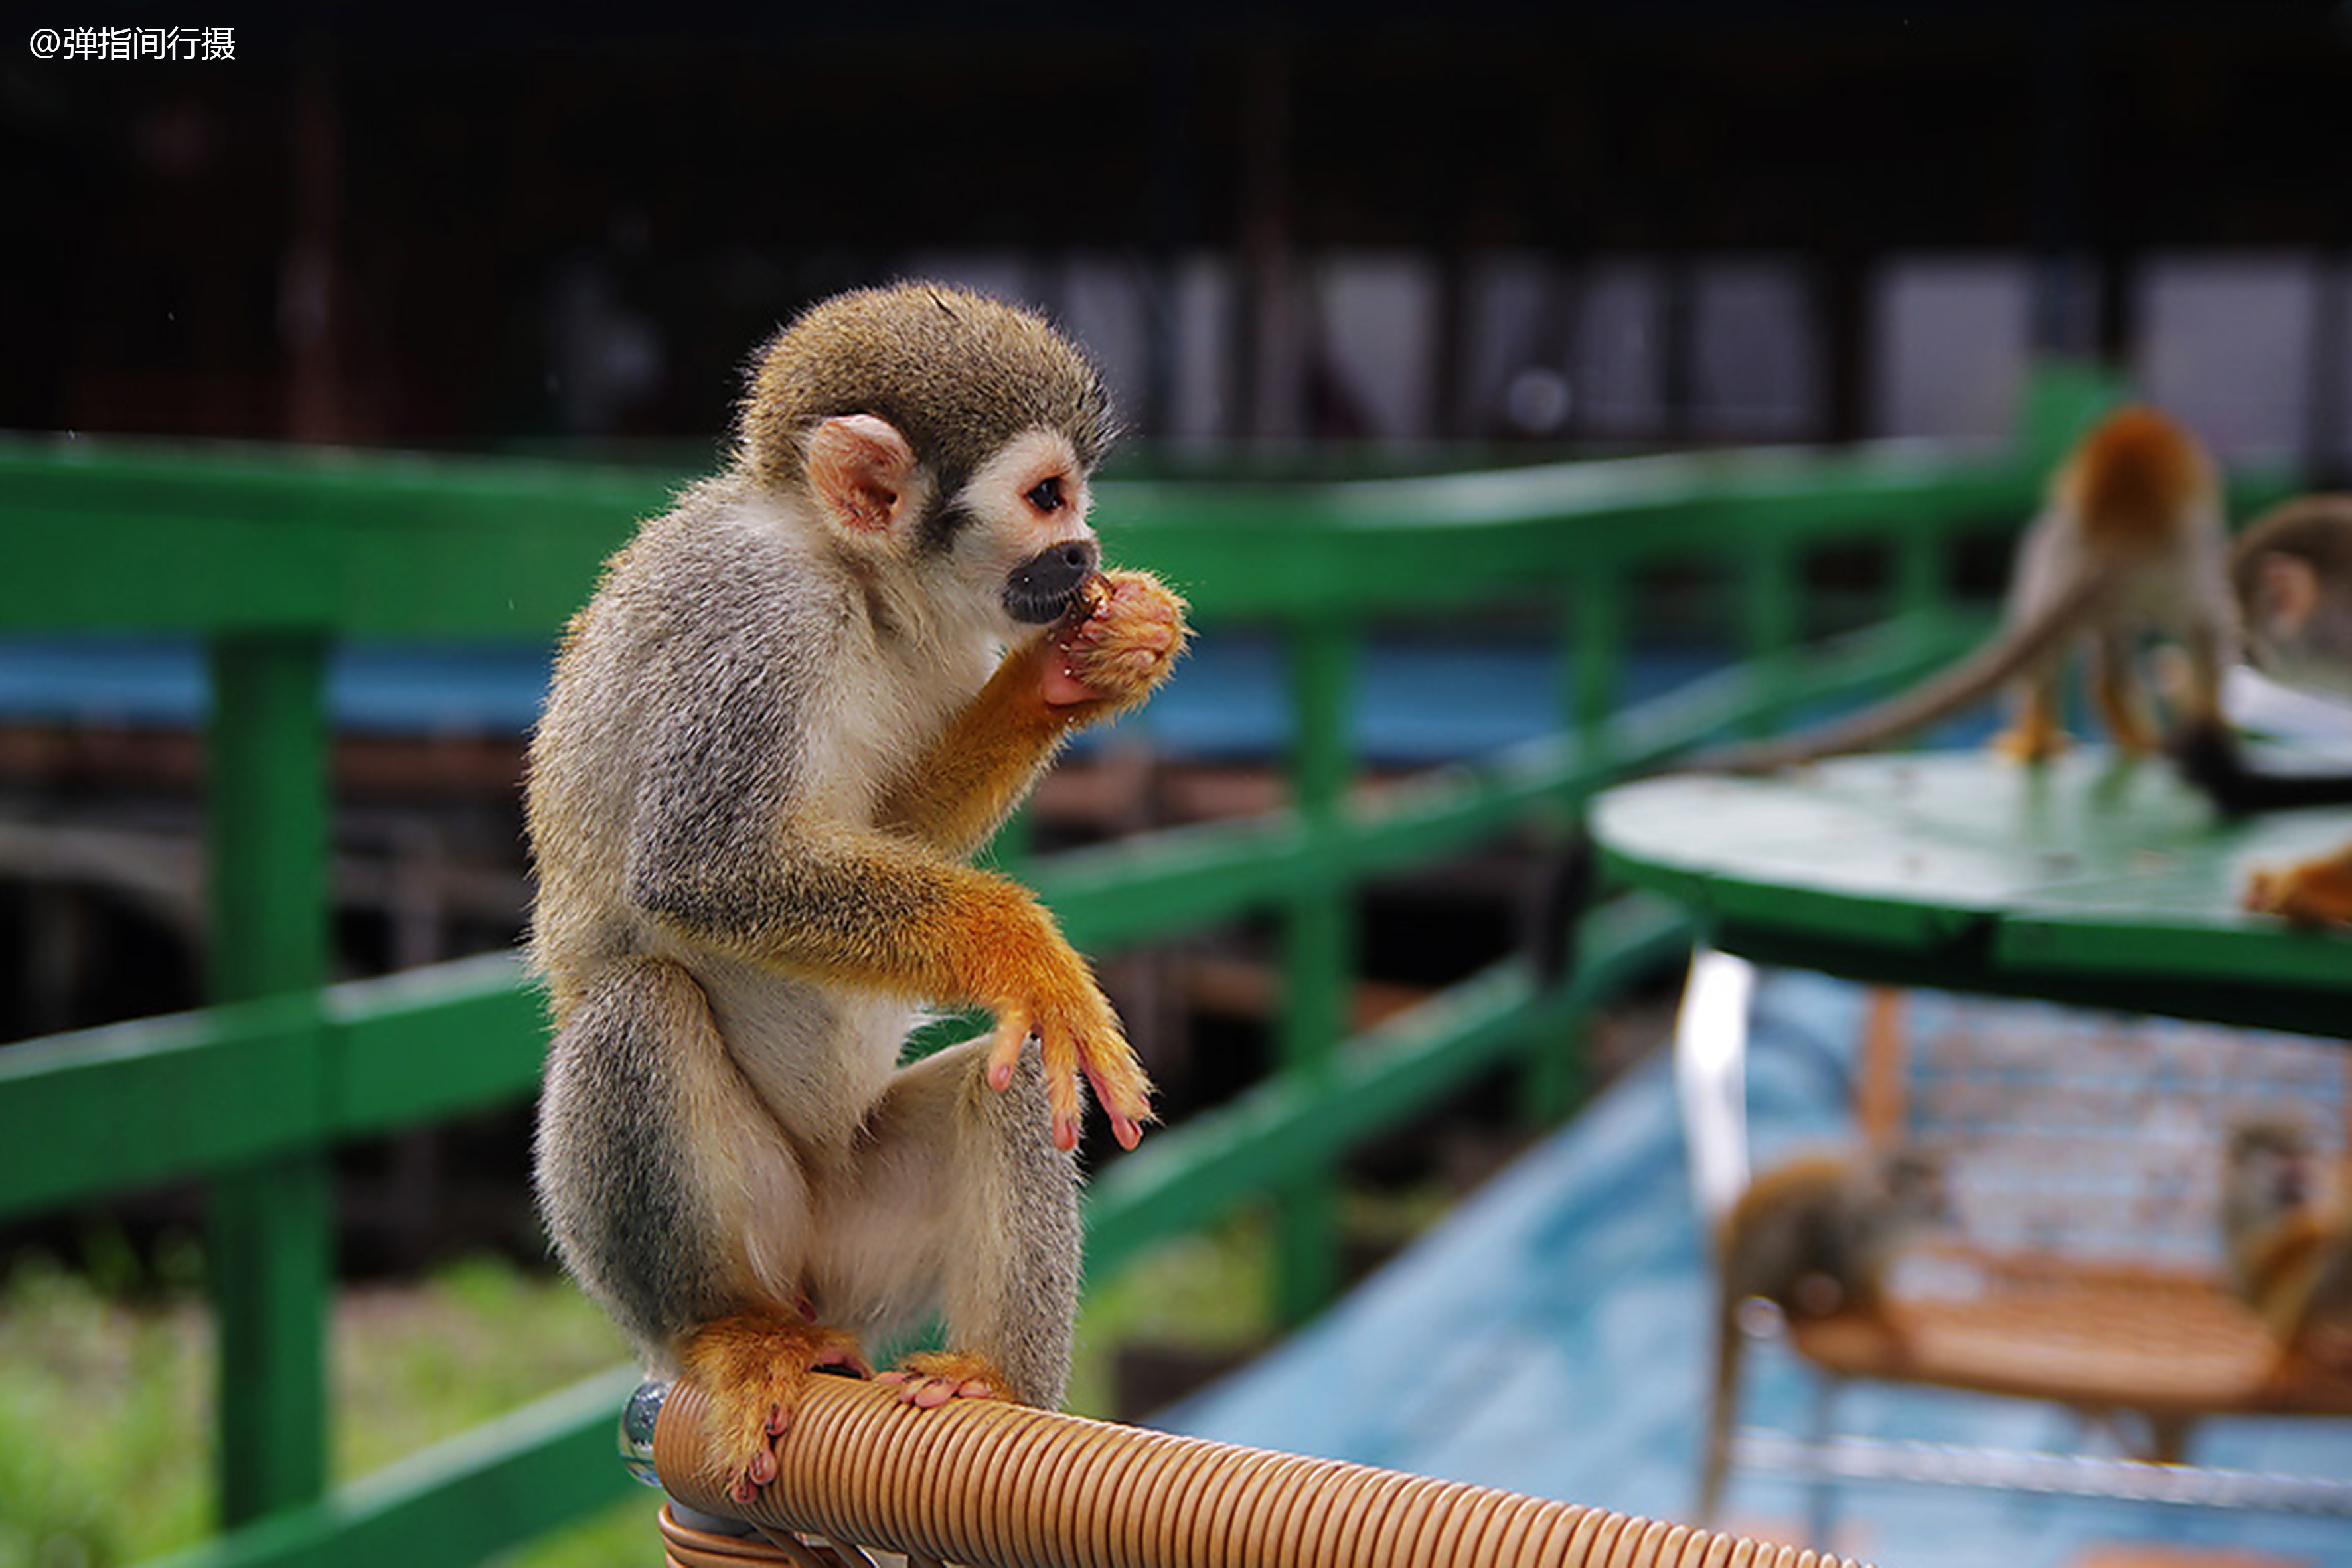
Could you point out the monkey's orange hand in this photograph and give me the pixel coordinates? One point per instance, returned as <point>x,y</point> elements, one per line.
<point>1077,1032</point>
<point>754,1365</point>
<point>2311,893</point>
<point>929,1379</point>
<point>1117,643</point>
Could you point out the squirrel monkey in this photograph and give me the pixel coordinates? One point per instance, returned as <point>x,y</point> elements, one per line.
<point>2291,572</point>
<point>774,735</point>
<point>2130,540</point>
<point>2289,1253</point>
<point>1814,1237</point>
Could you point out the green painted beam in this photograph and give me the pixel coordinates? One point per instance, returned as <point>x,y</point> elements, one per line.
<point>112,1109</point>
<point>124,536</point>
<point>119,536</point>
<point>104,1112</point>
<point>413,1047</point>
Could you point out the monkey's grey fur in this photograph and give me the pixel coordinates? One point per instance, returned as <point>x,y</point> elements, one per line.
<point>720,1133</point>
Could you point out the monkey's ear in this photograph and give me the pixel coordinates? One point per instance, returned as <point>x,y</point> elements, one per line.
<point>861,470</point>
<point>2289,589</point>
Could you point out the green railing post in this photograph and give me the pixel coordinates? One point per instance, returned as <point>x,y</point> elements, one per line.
<point>271,1231</point>
<point>1771,607</point>
<point>1551,1079</point>
<point>1596,602</point>
<point>1921,583</point>
<point>1318,946</point>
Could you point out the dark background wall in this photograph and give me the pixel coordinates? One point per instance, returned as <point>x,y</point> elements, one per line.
<point>436,226</point>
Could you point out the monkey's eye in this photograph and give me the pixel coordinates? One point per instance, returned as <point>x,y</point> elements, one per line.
<point>1047,494</point>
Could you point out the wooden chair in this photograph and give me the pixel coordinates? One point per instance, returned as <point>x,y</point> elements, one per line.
<point>2085,1265</point>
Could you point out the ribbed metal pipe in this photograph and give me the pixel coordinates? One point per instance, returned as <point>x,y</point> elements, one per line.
<point>985,1482</point>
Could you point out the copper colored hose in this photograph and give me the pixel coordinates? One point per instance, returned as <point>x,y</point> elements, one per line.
<point>985,1482</point>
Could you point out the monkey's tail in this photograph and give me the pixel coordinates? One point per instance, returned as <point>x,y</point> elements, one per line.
<point>2209,758</point>
<point>2012,652</point>
<point>1566,891</point>
<point>1715,1466</point>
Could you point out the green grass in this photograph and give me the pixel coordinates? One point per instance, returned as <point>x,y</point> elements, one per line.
<point>106,1442</point>
<point>102,1407</point>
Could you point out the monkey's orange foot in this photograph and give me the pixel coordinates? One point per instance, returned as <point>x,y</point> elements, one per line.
<point>1075,1035</point>
<point>754,1366</point>
<point>2313,893</point>
<point>2134,736</point>
<point>1119,644</point>
<point>929,1379</point>
<point>2030,745</point>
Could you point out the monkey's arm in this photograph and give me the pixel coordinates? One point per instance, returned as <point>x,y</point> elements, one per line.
<point>1110,653</point>
<point>876,912</point>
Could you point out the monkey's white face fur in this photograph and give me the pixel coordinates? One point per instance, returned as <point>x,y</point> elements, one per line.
<point>1026,502</point>
<point>1029,498</point>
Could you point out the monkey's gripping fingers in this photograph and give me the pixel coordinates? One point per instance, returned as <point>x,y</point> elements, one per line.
<point>754,1366</point>
<point>1117,644</point>
<point>929,1379</point>
<point>1075,1038</point>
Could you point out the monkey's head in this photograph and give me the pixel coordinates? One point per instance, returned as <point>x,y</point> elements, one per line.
<point>939,431</point>
<point>2291,572</point>
<point>1915,1181</point>
<point>2267,1167</point>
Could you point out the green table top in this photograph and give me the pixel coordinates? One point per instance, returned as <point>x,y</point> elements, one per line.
<point>2093,880</point>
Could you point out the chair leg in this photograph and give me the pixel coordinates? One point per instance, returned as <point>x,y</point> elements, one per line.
<point>2168,1436</point>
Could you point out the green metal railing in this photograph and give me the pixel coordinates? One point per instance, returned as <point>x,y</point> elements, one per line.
<point>271,556</point>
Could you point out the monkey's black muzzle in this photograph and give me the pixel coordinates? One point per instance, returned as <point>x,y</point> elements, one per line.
<point>1039,589</point>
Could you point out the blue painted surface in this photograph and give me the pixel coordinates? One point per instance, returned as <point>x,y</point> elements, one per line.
<point>1551,1339</point>
<point>1422,700</point>
<point>159,683</point>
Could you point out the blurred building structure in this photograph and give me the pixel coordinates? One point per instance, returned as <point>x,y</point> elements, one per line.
<point>1591,227</point>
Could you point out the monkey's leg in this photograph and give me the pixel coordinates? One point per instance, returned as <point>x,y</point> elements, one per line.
<point>873,911</point>
<point>2204,657</point>
<point>678,1206</point>
<point>2034,734</point>
<point>2123,703</point>
<point>2316,892</point>
<point>963,1178</point>
<point>1108,655</point>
